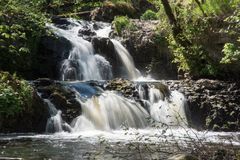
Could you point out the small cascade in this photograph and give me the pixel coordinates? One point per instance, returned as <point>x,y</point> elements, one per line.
<point>168,110</point>
<point>82,64</point>
<point>127,60</point>
<point>55,122</point>
<point>110,111</point>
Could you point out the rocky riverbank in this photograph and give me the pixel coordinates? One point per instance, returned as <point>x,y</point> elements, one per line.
<point>213,104</point>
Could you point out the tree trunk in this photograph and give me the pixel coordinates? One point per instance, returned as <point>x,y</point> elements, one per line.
<point>176,28</point>
<point>200,6</point>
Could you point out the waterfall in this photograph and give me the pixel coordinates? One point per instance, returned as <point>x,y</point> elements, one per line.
<point>126,59</point>
<point>110,111</point>
<point>168,110</point>
<point>81,64</point>
<point>55,122</point>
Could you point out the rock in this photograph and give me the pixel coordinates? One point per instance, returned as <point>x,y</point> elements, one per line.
<point>183,157</point>
<point>86,33</point>
<point>213,105</point>
<point>43,82</point>
<point>125,87</point>
<point>109,10</point>
<point>63,98</point>
<point>104,47</point>
<point>52,50</point>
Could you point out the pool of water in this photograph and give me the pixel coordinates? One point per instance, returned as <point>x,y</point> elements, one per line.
<point>119,144</point>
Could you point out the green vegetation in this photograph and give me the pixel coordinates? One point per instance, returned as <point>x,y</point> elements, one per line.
<point>122,23</point>
<point>15,95</point>
<point>21,26</point>
<point>192,29</point>
<point>149,15</point>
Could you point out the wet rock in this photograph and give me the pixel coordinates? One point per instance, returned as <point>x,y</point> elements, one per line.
<point>63,98</point>
<point>43,82</point>
<point>86,33</point>
<point>104,47</point>
<point>123,86</point>
<point>51,52</point>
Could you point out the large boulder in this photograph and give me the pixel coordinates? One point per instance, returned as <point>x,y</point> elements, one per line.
<point>52,51</point>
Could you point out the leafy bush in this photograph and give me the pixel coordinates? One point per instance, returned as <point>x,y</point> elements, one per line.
<point>15,95</point>
<point>149,15</point>
<point>231,54</point>
<point>121,23</point>
<point>21,26</point>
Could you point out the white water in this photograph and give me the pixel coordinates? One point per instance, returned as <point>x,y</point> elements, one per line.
<point>110,111</point>
<point>127,60</point>
<point>170,112</point>
<point>81,64</point>
<point>54,123</point>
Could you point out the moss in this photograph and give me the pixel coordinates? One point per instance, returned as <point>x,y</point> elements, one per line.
<point>123,23</point>
<point>149,15</point>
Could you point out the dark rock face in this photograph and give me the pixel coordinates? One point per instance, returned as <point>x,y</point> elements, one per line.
<point>213,104</point>
<point>32,120</point>
<point>52,51</point>
<point>149,50</point>
<point>86,33</point>
<point>62,97</point>
<point>104,47</point>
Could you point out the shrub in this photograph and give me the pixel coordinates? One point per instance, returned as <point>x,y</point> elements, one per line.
<point>122,22</point>
<point>231,54</point>
<point>15,95</point>
<point>149,15</point>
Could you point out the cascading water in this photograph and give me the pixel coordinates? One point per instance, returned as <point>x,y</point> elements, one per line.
<point>82,64</point>
<point>108,110</point>
<point>127,60</point>
<point>111,111</point>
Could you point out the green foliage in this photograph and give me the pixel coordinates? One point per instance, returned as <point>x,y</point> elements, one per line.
<point>149,15</point>
<point>217,7</point>
<point>231,54</point>
<point>21,26</point>
<point>122,23</point>
<point>197,57</point>
<point>15,94</point>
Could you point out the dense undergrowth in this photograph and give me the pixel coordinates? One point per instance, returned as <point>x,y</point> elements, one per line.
<point>15,95</point>
<point>207,44</point>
